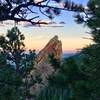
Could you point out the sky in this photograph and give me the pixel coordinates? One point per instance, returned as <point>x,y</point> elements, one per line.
<point>71,34</point>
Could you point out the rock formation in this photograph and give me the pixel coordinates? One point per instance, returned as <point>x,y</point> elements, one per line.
<point>54,46</point>
<point>43,68</point>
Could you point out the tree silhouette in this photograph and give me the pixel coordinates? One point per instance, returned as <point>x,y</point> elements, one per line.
<point>92,19</point>
<point>93,22</point>
<point>91,62</point>
<point>9,81</point>
<point>15,66</point>
<point>13,47</point>
<point>25,10</point>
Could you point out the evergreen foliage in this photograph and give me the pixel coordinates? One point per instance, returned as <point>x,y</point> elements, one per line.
<point>9,81</point>
<point>90,65</point>
<point>25,10</point>
<point>13,47</point>
<point>15,65</point>
<point>71,81</point>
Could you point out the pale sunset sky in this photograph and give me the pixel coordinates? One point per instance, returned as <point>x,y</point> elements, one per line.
<point>71,34</point>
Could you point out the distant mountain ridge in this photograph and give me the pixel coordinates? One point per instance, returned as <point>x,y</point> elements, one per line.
<point>66,55</point>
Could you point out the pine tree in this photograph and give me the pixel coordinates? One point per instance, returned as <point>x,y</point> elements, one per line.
<point>91,54</point>
<point>12,45</point>
<point>15,65</point>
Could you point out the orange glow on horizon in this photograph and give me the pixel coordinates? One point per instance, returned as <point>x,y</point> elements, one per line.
<point>68,44</point>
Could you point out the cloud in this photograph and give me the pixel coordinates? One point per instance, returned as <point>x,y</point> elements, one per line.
<point>56,25</point>
<point>5,23</point>
<point>2,25</point>
<point>49,24</point>
<point>62,22</point>
<point>27,24</point>
<point>38,1</point>
<point>52,22</point>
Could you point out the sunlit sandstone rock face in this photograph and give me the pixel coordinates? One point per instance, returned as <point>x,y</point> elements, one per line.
<point>43,67</point>
<point>54,46</point>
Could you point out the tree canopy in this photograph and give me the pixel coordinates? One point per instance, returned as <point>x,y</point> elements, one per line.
<point>15,65</point>
<point>26,10</point>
